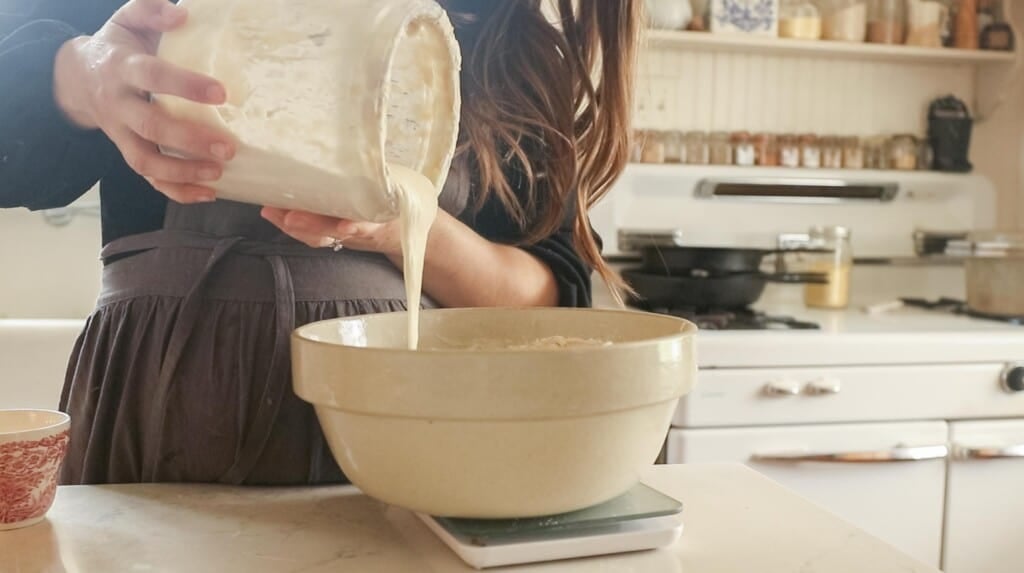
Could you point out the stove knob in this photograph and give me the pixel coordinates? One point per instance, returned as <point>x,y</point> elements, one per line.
<point>781,388</point>
<point>1013,378</point>
<point>823,387</point>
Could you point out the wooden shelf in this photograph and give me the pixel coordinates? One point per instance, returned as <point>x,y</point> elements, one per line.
<point>707,42</point>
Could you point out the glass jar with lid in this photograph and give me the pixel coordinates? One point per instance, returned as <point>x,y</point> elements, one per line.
<point>810,151</point>
<point>799,19</point>
<point>876,155</point>
<point>903,152</point>
<point>696,148</point>
<point>844,20</point>
<point>767,148</point>
<point>925,154</point>
<point>653,147</point>
<point>719,148</point>
<point>789,151</point>
<point>637,150</point>
<point>743,151</point>
<point>887,21</point>
<point>675,149</point>
<point>853,153</point>
<point>831,153</point>
<point>835,263</point>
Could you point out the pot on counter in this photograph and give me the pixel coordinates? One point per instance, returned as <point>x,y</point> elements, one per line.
<point>995,272</point>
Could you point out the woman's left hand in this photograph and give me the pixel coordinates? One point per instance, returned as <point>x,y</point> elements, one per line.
<point>461,267</point>
<point>320,231</point>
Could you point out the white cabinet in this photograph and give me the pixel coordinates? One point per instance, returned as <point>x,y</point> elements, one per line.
<point>984,506</point>
<point>887,478</point>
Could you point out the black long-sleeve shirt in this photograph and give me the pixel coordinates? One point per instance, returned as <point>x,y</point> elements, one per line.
<point>45,162</point>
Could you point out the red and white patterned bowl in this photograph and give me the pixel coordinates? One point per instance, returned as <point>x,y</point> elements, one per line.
<point>32,447</point>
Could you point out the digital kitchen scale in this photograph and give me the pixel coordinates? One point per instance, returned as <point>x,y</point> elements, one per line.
<point>641,519</point>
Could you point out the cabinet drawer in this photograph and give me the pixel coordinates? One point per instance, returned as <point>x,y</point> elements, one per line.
<point>750,397</point>
<point>864,473</point>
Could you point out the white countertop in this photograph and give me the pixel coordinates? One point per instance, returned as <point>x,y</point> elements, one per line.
<point>851,337</point>
<point>736,521</point>
<point>854,337</point>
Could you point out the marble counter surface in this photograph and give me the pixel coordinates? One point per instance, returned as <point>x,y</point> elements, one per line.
<point>736,521</point>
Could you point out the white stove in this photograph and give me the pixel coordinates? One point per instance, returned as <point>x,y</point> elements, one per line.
<point>907,422</point>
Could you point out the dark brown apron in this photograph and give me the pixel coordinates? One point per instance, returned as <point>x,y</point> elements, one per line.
<point>183,372</point>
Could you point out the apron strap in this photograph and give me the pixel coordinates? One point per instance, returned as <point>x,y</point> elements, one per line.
<point>188,316</point>
<point>257,435</point>
<point>255,442</point>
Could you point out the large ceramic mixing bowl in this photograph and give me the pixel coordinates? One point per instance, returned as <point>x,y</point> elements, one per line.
<point>468,427</point>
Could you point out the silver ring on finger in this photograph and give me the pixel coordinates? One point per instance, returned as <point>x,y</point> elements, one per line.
<point>336,245</point>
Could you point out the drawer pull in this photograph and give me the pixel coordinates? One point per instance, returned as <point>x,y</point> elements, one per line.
<point>902,454</point>
<point>989,453</point>
<point>823,387</point>
<point>781,389</point>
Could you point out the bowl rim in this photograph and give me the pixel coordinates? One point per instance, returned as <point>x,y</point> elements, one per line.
<point>687,329</point>
<point>64,419</point>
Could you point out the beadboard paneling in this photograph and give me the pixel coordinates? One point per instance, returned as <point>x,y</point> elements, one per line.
<point>784,93</point>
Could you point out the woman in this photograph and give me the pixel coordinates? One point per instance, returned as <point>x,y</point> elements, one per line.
<point>182,371</point>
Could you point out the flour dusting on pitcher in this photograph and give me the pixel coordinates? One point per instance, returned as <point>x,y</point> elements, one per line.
<point>347,108</point>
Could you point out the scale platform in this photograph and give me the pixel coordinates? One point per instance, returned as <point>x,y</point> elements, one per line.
<point>639,520</point>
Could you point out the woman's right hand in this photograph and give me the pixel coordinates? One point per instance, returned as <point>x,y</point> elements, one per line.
<point>103,82</point>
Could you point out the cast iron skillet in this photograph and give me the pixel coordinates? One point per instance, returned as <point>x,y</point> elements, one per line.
<point>700,290</point>
<point>672,260</point>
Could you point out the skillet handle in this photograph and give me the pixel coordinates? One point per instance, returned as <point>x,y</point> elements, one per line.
<point>779,255</point>
<point>801,278</point>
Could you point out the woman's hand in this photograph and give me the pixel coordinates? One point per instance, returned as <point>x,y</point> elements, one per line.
<point>322,231</point>
<point>104,81</point>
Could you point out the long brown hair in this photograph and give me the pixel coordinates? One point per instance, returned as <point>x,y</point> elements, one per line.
<point>551,100</point>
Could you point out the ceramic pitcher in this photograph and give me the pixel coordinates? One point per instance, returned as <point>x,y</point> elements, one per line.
<point>925,21</point>
<point>324,95</point>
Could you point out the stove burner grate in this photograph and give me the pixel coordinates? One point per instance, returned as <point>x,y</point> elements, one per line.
<point>732,319</point>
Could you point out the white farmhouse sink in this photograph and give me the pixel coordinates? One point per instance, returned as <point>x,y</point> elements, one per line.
<point>49,279</point>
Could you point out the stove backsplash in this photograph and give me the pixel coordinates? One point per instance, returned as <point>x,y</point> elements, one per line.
<point>664,197</point>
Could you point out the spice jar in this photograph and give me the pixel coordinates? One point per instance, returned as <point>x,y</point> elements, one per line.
<point>836,265</point>
<point>743,150</point>
<point>719,148</point>
<point>927,22</point>
<point>925,157</point>
<point>696,148</point>
<point>701,16</point>
<point>637,151</point>
<point>853,153</point>
<point>789,151</point>
<point>810,151</point>
<point>831,153</point>
<point>966,27</point>
<point>767,147</point>
<point>996,33</point>
<point>876,155</point>
<point>903,152</point>
<point>799,19</point>
<point>653,147</point>
<point>675,150</point>
<point>843,20</point>
<point>887,21</point>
